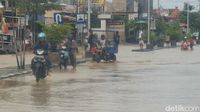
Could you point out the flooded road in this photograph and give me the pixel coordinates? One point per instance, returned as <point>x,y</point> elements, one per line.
<point>138,82</point>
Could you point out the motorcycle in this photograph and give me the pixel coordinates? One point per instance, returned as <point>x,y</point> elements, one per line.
<point>39,65</point>
<point>107,54</point>
<point>96,54</point>
<point>184,45</point>
<point>64,58</point>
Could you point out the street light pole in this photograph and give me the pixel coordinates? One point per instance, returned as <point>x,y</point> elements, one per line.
<point>199,5</point>
<point>148,42</point>
<point>159,7</point>
<point>89,11</point>
<point>188,17</point>
<point>78,6</point>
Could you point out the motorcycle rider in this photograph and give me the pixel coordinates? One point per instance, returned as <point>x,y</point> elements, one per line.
<point>103,41</point>
<point>64,53</point>
<point>191,41</point>
<point>92,40</point>
<point>42,44</point>
<point>185,44</point>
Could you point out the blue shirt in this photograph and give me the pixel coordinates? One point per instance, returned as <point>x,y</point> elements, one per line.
<point>45,47</point>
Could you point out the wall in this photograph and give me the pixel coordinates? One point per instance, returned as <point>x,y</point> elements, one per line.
<point>117,25</point>
<point>49,16</point>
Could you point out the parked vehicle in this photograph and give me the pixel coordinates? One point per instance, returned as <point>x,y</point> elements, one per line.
<point>6,43</point>
<point>39,65</point>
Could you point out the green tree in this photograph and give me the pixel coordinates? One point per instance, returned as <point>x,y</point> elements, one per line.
<point>56,32</point>
<point>95,22</point>
<point>136,25</point>
<point>185,8</point>
<point>33,8</point>
<point>133,27</point>
<point>161,26</point>
<point>194,20</point>
<point>174,31</point>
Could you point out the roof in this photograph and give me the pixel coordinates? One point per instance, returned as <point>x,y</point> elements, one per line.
<point>175,13</point>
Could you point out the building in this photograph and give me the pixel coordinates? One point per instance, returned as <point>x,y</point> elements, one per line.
<point>121,7</point>
<point>143,8</point>
<point>132,6</point>
<point>168,14</point>
<point>175,13</point>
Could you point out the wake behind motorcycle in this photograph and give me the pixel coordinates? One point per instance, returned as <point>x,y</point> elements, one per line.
<point>39,65</point>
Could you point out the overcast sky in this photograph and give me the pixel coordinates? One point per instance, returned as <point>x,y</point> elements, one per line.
<point>174,3</point>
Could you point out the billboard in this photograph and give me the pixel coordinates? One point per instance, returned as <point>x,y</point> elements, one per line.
<point>100,2</point>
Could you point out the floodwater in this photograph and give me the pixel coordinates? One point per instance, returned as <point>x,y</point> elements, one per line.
<point>137,82</point>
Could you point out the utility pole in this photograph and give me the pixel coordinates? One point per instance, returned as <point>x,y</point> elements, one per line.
<point>159,7</point>
<point>188,17</point>
<point>80,31</point>
<point>89,11</point>
<point>199,5</point>
<point>148,42</point>
<point>78,6</point>
<point>15,36</point>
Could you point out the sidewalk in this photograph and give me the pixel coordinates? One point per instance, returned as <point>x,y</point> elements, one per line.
<point>8,67</point>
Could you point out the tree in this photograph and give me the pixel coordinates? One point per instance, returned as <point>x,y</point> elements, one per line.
<point>133,27</point>
<point>161,26</point>
<point>185,8</point>
<point>56,32</point>
<point>194,20</point>
<point>31,8</point>
<point>95,22</point>
<point>174,31</point>
<point>137,25</point>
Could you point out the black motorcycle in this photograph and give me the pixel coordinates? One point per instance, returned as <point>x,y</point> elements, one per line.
<point>39,65</point>
<point>64,57</point>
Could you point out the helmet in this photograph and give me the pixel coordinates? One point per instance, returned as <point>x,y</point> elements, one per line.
<point>41,36</point>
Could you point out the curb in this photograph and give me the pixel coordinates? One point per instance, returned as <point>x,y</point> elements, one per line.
<point>16,74</point>
<point>30,71</point>
<point>155,49</point>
